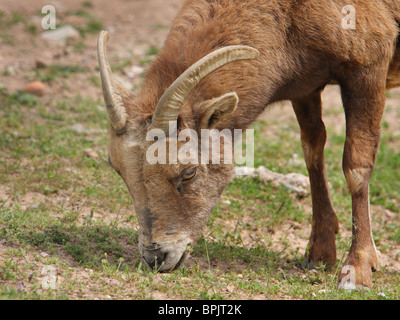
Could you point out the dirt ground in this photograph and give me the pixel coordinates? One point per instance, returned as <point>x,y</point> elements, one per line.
<point>133,27</point>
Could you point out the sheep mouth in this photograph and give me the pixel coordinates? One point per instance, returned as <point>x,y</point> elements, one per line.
<point>181,261</point>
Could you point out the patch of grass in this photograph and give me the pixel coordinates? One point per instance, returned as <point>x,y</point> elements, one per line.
<point>7,38</point>
<point>80,13</point>
<point>385,181</point>
<point>93,27</point>
<point>125,63</point>
<point>160,27</point>
<point>270,205</point>
<point>92,23</point>
<point>23,98</point>
<point>79,46</point>
<point>86,244</point>
<point>95,80</point>
<point>53,72</point>
<point>87,4</point>
<point>275,154</point>
<point>7,21</point>
<point>257,257</point>
<point>153,50</point>
<point>32,29</point>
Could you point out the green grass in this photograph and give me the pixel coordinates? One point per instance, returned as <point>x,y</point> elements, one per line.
<point>41,230</point>
<point>53,72</point>
<point>92,24</point>
<point>74,213</point>
<point>8,20</point>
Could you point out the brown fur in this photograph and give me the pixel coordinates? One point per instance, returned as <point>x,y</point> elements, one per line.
<point>303,48</point>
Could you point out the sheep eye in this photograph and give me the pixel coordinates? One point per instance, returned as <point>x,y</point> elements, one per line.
<point>189,175</point>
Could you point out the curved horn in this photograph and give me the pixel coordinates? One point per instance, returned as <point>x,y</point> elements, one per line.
<point>115,107</point>
<point>169,106</point>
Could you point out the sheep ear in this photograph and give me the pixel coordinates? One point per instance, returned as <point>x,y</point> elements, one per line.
<point>215,110</point>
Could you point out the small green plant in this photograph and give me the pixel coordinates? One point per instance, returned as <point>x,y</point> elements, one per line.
<point>93,27</point>
<point>53,72</point>
<point>32,29</point>
<point>23,98</point>
<point>153,50</point>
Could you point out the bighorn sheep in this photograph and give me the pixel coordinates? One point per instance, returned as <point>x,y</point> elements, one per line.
<point>220,51</point>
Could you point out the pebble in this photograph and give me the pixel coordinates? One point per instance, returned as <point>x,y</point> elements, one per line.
<point>294,182</point>
<point>90,153</point>
<point>61,34</point>
<point>39,64</point>
<point>36,88</point>
<point>245,171</point>
<point>78,127</point>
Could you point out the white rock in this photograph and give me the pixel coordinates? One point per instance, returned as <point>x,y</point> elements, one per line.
<point>78,127</point>
<point>90,153</point>
<point>61,34</point>
<point>295,182</point>
<point>245,171</point>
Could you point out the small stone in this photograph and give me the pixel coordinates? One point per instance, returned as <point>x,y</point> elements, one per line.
<point>296,183</point>
<point>61,34</point>
<point>44,254</point>
<point>36,88</point>
<point>90,153</point>
<point>10,70</point>
<point>78,127</point>
<point>40,64</point>
<point>381,294</point>
<point>245,171</point>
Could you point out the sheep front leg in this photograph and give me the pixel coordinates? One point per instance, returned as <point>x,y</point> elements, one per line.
<point>321,247</point>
